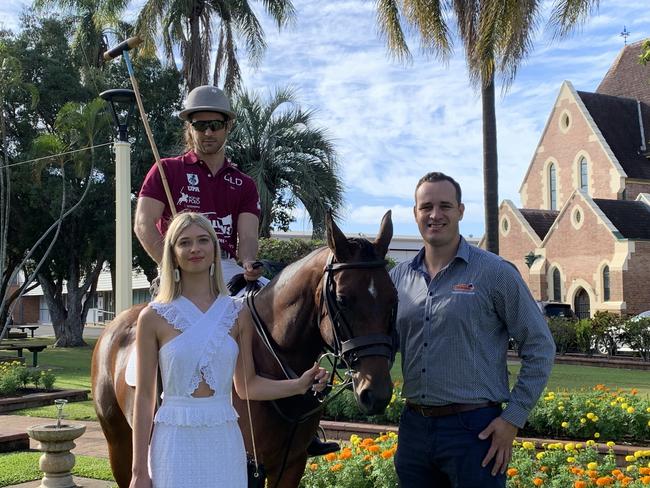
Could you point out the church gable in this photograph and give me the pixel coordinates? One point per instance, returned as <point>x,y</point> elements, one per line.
<point>572,154</point>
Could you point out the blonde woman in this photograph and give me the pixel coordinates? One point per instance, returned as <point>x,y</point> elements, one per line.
<point>191,330</point>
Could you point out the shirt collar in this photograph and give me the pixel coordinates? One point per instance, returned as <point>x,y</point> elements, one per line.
<point>417,264</point>
<point>191,157</point>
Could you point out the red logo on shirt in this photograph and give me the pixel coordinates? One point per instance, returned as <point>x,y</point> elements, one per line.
<point>463,288</point>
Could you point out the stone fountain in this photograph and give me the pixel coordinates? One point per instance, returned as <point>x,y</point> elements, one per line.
<point>55,442</point>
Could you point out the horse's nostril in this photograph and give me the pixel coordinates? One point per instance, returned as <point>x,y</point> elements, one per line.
<point>367,398</point>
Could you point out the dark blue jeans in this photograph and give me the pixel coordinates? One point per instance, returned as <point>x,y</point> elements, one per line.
<point>445,452</point>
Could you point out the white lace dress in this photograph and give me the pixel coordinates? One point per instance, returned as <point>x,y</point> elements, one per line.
<point>197,441</point>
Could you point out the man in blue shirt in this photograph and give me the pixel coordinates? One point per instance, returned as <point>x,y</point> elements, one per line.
<point>458,307</point>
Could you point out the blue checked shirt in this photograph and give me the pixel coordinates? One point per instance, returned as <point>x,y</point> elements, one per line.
<point>454,331</point>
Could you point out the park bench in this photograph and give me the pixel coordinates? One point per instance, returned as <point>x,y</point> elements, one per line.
<point>22,328</point>
<point>33,348</point>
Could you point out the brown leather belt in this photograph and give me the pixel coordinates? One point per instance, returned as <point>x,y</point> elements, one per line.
<point>451,409</point>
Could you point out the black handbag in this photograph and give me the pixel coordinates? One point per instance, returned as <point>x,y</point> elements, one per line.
<point>256,473</point>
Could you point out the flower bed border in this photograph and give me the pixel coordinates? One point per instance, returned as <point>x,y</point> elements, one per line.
<point>31,400</point>
<point>343,431</point>
<point>597,361</point>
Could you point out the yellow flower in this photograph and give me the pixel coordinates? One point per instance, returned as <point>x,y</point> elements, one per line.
<point>583,420</point>
<point>630,409</point>
<point>590,415</point>
<point>569,447</point>
<point>540,455</point>
<point>630,458</point>
<point>597,435</point>
<point>610,444</point>
<point>570,459</point>
<point>592,465</point>
<point>528,445</point>
<point>565,425</point>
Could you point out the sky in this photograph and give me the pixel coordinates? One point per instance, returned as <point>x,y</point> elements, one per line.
<point>393,122</point>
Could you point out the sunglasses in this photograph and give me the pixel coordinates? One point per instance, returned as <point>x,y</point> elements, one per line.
<point>213,125</point>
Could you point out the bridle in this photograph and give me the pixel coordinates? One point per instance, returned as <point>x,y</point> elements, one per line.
<point>346,349</point>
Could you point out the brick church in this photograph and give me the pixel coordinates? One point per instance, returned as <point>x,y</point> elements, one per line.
<point>582,234</point>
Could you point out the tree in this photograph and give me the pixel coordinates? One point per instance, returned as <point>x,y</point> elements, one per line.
<point>275,142</point>
<point>497,36</point>
<point>189,26</point>
<point>11,79</point>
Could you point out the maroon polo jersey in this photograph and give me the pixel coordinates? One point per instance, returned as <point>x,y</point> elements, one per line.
<point>221,197</point>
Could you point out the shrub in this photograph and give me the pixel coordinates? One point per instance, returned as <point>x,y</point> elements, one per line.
<point>564,333</point>
<point>48,379</point>
<point>9,377</point>
<point>606,328</point>
<point>24,376</point>
<point>584,336</point>
<point>636,334</point>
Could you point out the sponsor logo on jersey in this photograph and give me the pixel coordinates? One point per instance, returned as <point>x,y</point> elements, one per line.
<point>192,179</point>
<point>188,199</point>
<point>233,180</point>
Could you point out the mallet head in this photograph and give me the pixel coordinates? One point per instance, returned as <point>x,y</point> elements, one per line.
<point>127,45</point>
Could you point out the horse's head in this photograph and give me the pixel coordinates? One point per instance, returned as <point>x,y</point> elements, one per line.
<point>361,301</point>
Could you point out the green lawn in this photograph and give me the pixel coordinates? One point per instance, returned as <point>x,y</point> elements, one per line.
<point>21,467</point>
<point>72,369</point>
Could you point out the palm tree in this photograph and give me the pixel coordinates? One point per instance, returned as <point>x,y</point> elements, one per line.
<point>189,25</point>
<point>274,142</point>
<point>92,19</point>
<point>497,36</point>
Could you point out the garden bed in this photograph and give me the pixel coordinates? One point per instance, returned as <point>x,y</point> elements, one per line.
<point>38,397</point>
<point>344,430</point>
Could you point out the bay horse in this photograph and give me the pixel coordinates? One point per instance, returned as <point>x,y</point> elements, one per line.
<point>339,297</point>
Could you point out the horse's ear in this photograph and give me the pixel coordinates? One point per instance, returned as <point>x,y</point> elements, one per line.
<point>336,240</point>
<point>385,235</point>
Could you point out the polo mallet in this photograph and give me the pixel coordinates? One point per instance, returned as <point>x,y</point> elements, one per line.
<point>122,49</point>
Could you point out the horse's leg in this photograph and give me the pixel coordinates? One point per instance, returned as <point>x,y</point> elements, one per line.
<point>120,449</point>
<point>109,412</point>
<point>292,474</point>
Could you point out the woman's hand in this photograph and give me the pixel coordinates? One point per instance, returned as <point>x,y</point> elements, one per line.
<point>141,481</point>
<point>314,378</point>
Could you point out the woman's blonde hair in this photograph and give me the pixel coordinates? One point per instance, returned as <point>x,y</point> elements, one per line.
<point>171,289</point>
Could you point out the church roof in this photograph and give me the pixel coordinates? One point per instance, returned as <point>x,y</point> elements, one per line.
<point>631,218</point>
<point>626,77</point>
<point>540,220</point>
<point>618,121</point>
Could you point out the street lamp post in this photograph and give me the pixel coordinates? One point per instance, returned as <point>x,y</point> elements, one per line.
<point>122,102</point>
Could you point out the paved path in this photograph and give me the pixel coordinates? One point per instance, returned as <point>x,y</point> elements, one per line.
<point>92,443</point>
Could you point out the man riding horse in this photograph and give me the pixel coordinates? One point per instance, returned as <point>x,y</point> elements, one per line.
<point>204,180</point>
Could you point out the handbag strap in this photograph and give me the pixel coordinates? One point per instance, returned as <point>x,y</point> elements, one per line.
<point>248,403</point>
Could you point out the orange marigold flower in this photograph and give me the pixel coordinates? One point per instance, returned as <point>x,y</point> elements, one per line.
<point>512,472</point>
<point>345,454</point>
<point>645,480</point>
<point>644,470</point>
<point>604,481</point>
<point>374,448</point>
<point>336,467</point>
<point>367,457</point>
<point>592,473</point>
<point>580,484</point>
<point>387,453</point>
<point>330,457</point>
<point>313,466</point>
<point>367,442</point>
<point>538,481</point>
